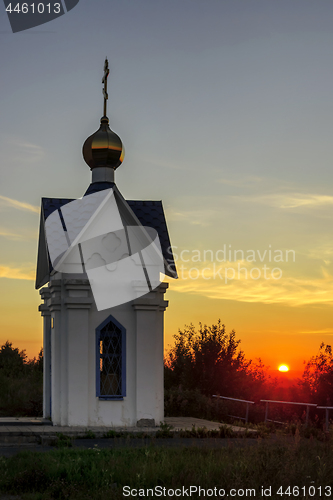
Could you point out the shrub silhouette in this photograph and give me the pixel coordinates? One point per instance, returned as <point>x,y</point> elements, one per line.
<point>21,383</point>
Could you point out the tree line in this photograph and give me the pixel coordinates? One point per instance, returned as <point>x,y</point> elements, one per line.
<point>21,382</point>
<point>209,361</point>
<point>202,362</point>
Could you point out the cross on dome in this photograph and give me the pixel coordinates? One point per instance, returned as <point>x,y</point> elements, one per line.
<point>105,81</point>
<point>104,148</point>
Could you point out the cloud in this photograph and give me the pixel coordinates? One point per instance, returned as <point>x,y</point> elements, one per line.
<point>16,273</point>
<point>158,162</point>
<point>302,200</point>
<point>202,217</point>
<point>10,236</point>
<point>324,331</point>
<point>323,252</point>
<point>30,153</point>
<point>289,200</point>
<point>248,181</point>
<point>19,205</point>
<point>245,282</point>
<point>21,151</point>
<point>32,235</point>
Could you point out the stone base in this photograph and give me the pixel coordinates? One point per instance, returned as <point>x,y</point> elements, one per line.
<point>146,422</point>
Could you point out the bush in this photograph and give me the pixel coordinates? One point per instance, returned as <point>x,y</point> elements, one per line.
<point>21,383</point>
<point>191,403</point>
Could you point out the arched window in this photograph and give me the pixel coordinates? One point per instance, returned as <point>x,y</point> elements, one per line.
<point>110,360</point>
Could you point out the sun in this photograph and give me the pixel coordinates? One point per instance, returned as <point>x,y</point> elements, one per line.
<point>283,368</point>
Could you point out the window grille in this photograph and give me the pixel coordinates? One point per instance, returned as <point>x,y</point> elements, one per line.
<point>110,350</point>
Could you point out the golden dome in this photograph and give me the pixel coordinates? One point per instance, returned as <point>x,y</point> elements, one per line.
<point>103,148</point>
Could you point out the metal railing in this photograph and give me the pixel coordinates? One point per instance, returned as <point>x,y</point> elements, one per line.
<point>327,410</point>
<point>268,401</point>
<point>246,418</point>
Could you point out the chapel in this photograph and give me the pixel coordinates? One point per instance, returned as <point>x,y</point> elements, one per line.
<point>101,269</point>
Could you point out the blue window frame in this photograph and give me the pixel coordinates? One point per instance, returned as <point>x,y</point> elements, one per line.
<point>110,360</point>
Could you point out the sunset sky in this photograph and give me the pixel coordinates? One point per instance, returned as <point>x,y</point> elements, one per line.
<point>225,109</point>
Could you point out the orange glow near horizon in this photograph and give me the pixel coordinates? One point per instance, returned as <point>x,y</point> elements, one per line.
<point>276,333</point>
<point>283,368</point>
<point>268,331</point>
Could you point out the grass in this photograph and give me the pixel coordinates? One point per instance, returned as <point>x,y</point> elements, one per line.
<point>89,434</point>
<point>22,395</point>
<point>224,431</point>
<point>63,441</point>
<point>165,431</point>
<point>101,474</point>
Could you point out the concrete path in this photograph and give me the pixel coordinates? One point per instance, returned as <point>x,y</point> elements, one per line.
<point>25,431</point>
<point>10,421</point>
<point>186,423</point>
<point>30,434</point>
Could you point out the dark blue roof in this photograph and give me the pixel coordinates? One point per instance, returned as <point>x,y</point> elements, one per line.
<point>51,204</point>
<point>98,186</point>
<point>149,213</point>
